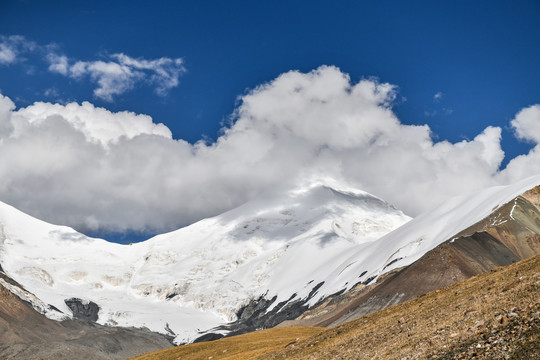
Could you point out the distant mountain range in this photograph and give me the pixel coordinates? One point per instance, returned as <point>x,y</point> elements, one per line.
<point>318,254</point>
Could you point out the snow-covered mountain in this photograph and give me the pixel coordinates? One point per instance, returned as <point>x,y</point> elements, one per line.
<point>302,245</point>
<point>408,243</point>
<point>195,278</point>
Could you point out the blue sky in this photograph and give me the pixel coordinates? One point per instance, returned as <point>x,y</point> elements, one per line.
<point>458,66</point>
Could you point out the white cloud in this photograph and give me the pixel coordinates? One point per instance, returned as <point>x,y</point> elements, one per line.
<point>7,54</point>
<point>527,124</point>
<point>90,168</point>
<point>6,109</point>
<point>119,73</point>
<point>58,63</point>
<point>165,71</point>
<point>98,125</point>
<point>11,48</point>
<point>114,75</point>
<point>437,97</point>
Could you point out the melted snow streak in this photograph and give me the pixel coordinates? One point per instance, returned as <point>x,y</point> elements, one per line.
<point>192,280</point>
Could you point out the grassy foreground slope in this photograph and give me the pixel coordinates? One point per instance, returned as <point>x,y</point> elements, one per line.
<point>495,315</point>
<point>245,346</point>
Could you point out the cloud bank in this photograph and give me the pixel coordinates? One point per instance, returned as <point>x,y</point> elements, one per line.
<point>84,166</point>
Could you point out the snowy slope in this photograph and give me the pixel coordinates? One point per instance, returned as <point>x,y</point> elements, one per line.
<point>408,243</point>
<point>197,277</point>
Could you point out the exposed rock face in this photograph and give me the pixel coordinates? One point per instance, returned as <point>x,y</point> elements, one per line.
<point>511,233</point>
<point>86,310</point>
<point>255,315</point>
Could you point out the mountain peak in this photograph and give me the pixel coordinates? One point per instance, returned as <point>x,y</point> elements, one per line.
<point>198,276</point>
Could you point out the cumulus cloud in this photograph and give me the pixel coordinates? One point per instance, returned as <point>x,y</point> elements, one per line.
<point>12,47</point>
<point>81,165</point>
<point>527,124</point>
<point>120,72</point>
<point>98,125</point>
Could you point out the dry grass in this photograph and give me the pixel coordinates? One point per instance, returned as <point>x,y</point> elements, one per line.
<point>245,346</point>
<point>493,315</point>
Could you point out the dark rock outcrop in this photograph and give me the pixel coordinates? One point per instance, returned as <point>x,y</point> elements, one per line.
<point>208,337</point>
<point>256,315</point>
<point>85,310</point>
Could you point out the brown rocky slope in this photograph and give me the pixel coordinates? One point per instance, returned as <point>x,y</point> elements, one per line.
<point>26,334</point>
